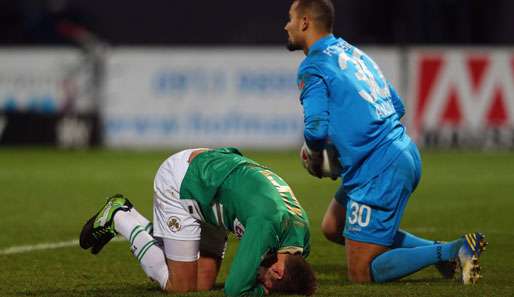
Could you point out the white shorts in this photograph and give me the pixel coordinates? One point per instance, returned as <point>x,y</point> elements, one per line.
<point>180,228</point>
<point>171,218</point>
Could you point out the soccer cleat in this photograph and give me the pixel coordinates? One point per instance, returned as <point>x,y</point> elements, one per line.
<point>99,229</point>
<point>468,257</point>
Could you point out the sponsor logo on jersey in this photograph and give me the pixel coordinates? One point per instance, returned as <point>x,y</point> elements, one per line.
<point>174,224</point>
<point>239,229</point>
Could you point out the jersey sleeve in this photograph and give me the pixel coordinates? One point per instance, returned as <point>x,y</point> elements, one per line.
<point>397,101</point>
<point>297,238</point>
<point>314,98</point>
<point>257,241</point>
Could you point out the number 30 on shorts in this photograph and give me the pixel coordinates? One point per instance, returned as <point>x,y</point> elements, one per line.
<point>359,214</point>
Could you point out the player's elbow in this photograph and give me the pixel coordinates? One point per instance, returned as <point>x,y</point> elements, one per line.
<point>401,113</point>
<point>400,110</point>
<point>231,291</point>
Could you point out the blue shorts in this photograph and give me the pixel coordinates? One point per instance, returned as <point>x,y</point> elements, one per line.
<point>374,210</point>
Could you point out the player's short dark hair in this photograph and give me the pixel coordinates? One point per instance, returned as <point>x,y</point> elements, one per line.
<point>299,278</point>
<point>322,11</point>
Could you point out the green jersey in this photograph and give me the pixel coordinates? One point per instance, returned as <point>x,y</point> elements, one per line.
<point>257,205</point>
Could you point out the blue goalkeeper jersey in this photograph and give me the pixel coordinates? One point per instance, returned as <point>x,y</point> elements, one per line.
<point>347,101</point>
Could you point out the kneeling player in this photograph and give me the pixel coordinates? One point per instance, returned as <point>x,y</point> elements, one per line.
<point>346,99</point>
<point>198,194</point>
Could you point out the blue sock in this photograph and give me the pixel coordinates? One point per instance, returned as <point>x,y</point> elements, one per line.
<point>400,262</point>
<point>404,239</point>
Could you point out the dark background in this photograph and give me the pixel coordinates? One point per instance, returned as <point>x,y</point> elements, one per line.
<point>201,22</point>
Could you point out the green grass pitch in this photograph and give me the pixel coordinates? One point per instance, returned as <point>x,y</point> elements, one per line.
<point>46,195</point>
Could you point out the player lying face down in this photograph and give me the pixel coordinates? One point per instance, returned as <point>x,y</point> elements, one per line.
<point>199,196</point>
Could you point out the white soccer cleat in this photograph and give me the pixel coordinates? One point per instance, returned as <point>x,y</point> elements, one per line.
<point>468,258</point>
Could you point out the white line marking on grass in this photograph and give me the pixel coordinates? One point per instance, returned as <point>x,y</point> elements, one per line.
<point>20,249</point>
<point>43,246</point>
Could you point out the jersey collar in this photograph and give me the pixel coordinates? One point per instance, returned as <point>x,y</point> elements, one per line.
<point>322,43</point>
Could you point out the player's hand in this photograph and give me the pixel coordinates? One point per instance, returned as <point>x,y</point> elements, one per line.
<point>312,161</point>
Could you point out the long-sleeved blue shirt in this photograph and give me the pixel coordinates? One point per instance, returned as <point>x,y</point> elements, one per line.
<point>347,100</point>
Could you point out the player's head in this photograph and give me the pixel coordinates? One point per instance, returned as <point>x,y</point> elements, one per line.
<point>289,274</point>
<point>307,17</point>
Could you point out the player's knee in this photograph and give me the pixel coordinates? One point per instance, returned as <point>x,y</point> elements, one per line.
<point>333,222</point>
<point>331,231</point>
<point>328,231</point>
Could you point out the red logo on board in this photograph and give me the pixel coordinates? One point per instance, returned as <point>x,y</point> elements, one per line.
<point>463,90</point>
<point>301,85</point>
